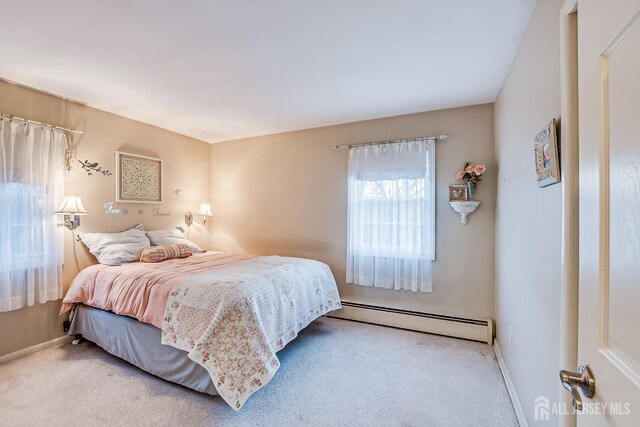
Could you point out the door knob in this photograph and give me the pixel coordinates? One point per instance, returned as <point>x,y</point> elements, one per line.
<point>583,379</point>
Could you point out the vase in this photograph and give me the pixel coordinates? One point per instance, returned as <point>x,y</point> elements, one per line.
<point>471,189</point>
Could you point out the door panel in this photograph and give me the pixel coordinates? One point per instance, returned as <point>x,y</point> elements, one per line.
<point>609,283</point>
<point>621,107</point>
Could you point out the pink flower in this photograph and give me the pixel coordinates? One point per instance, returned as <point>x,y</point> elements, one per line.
<point>479,169</point>
<point>469,168</point>
<point>460,175</point>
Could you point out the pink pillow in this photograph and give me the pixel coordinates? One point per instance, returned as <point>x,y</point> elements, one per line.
<point>163,253</point>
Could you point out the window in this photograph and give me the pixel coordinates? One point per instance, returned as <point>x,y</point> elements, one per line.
<point>389,232</point>
<point>24,231</point>
<point>31,187</point>
<point>391,220</point>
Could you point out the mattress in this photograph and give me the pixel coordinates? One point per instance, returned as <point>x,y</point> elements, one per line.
<point>139,344</point>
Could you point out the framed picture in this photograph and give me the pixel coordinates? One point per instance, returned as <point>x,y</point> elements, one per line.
<point>546,155</point>
<point>458,193</point>
<point>138,178</point>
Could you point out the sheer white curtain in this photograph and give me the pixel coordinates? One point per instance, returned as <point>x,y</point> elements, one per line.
<point>31,189</point>
<point>391,215</point>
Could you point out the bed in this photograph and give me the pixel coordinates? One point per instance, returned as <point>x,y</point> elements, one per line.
<point>212,322</point>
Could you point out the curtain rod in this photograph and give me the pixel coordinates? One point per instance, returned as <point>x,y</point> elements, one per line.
<point>395,141</point>
<point>21,119</point>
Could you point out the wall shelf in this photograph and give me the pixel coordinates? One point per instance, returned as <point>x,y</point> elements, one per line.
<point>465,209</point>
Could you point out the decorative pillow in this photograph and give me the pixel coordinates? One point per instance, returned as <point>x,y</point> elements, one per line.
<point>117,248</point>
<point>172,236</point>
<point>163,253</point>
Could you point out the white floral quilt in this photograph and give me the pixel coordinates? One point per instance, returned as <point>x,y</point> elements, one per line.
<point>232,321</point>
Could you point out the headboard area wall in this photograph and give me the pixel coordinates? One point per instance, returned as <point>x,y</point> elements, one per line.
<point>186,180</point>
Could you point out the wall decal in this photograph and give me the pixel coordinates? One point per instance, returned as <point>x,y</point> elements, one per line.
<point>90,167</point>
<point>138,178</point>
<point>177,191</point>
<point>111,210</point>
<point>156,212</point>
<point>70,160</point>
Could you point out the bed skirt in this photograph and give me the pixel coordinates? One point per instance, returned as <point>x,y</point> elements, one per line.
<point>139,344</point>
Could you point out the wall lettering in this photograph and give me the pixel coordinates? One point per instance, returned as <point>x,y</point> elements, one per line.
<point>156,212</point>
<point>111,210</point>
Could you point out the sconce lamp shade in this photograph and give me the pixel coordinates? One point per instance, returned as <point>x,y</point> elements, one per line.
<point>71,208</point>
<point>205,210</point>
<point>72,205</point>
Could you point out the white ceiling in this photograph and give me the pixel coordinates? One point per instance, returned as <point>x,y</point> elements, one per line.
<point>220,70</point>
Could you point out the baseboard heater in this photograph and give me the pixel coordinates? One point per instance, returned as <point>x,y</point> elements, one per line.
<point>459,327</point>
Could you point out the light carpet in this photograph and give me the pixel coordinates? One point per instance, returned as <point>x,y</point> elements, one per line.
<point>336,373</point>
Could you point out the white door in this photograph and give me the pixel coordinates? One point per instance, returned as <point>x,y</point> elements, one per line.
<point>609,144</point>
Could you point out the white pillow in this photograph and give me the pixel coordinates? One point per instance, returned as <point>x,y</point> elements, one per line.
<point>117,248</point>
<point>172,236</point>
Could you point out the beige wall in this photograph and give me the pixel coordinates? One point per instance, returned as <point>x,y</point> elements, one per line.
<point>186,166</point>
<point>279,194</point>
<point>286,194</point>
<point>528,218</point>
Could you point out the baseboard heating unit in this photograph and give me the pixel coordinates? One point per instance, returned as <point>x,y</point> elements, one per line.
<point>459,327</point>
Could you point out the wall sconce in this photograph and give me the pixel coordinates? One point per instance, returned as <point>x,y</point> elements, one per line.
<point>205,211</point>
<point>188,219</point>
<point>71,208</point>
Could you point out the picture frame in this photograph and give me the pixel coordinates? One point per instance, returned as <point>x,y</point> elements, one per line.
<point>546,155</point>
<point>138,178</point>
<point>458,193</point>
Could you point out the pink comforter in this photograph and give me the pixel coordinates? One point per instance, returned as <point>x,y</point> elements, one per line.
<point>140,290</point>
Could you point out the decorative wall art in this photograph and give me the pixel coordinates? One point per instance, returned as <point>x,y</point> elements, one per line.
<point>138,178</point>
<point>158,212</point>
<point>91,167</point>
<point>70,160</point>
<point>458,193</point>
<point>110,209</point>
<point>546,155</point>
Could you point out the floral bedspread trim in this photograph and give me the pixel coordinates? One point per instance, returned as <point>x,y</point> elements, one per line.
<point>233,321</point>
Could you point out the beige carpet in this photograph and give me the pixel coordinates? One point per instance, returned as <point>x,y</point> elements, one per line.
<point>335,373</point>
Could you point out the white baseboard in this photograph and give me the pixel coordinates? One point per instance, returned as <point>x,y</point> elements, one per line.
<point>522,419</point>
<point>35,348</point>
<point>471,329</point>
